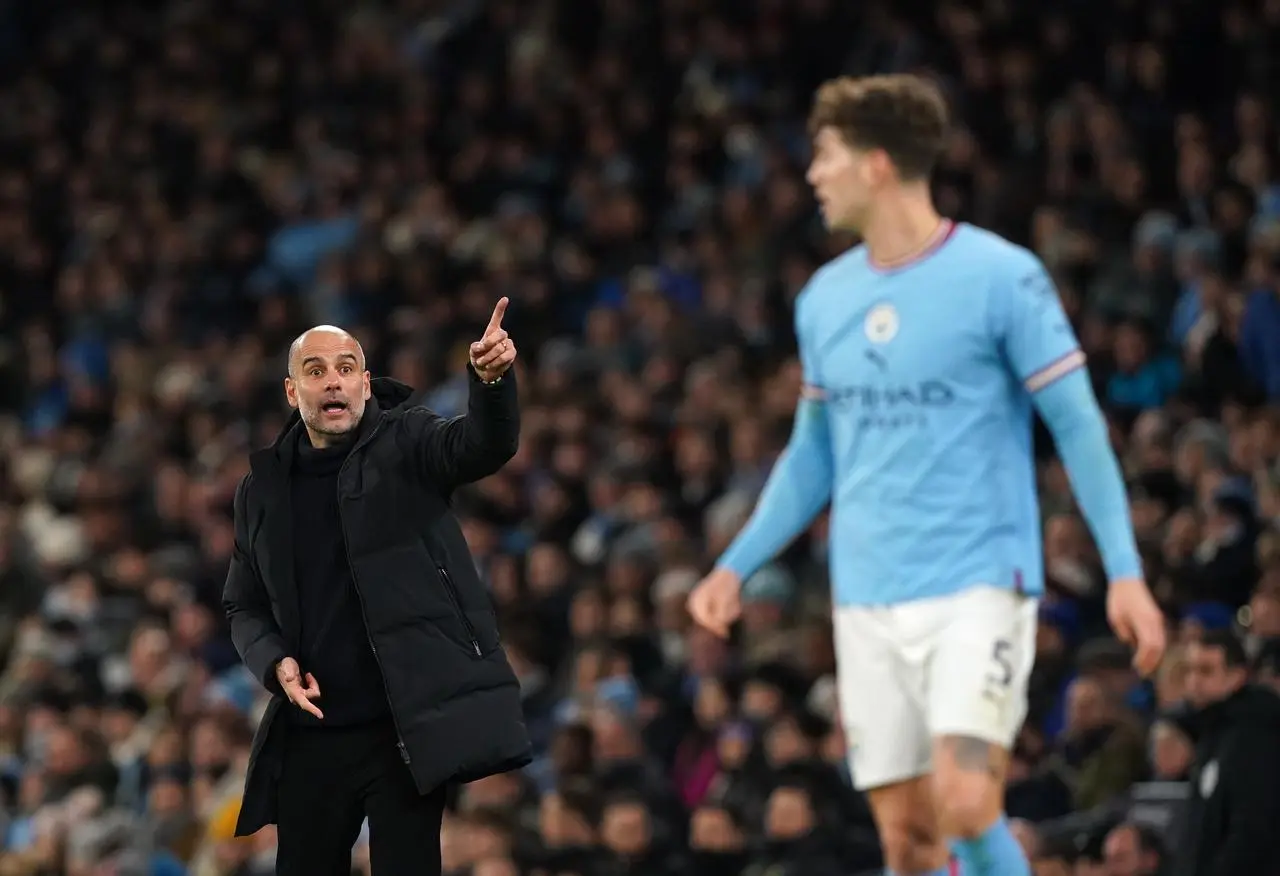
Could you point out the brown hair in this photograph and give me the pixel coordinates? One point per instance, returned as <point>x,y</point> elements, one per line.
<point>906,116</point>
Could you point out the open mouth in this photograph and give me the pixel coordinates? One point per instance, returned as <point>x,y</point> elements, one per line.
<point>334,408</point>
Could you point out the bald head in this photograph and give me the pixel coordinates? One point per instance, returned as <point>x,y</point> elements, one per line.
<point>327,382</point>
<point>325,335</point>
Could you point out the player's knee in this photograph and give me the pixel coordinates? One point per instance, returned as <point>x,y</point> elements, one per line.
<point>968,785</point>
<point>968,810</point>
<point>912,839</point>
<point>968,803</point>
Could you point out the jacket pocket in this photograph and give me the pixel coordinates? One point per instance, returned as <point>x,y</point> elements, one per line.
<point>451,591</point>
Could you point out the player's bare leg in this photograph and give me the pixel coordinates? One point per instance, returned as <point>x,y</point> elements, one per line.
<point>968,785</point>
<point>968,780</point>
<point>911,835</point>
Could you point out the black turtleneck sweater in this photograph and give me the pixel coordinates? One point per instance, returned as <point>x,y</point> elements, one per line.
<point>334,643</point>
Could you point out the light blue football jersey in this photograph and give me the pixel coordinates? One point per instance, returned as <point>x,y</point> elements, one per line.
<point>927,372</point>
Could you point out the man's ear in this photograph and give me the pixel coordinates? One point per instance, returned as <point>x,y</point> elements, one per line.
<point>291,393</point>
<point>368,387</point>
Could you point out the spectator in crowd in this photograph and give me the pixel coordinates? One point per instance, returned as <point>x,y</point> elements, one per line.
<point>1100,751</point>
<point>1132,850</point>
<point>1172,747</point>
<point>186,187</point>
<point>1268,664</point>
<point>717,842</point>
<point>1260,338</point>
<point>1235,780</point>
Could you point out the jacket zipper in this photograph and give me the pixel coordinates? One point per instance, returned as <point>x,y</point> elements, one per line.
<point>364,612</point>
<point>450,589</point>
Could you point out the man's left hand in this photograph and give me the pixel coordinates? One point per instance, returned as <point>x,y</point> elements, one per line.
<point>493,354</point>
<point>1137,621</point>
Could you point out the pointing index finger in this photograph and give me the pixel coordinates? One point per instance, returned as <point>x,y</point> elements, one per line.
<point>499,310</point>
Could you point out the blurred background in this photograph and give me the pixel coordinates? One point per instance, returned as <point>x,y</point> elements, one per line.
<point>184,186</point>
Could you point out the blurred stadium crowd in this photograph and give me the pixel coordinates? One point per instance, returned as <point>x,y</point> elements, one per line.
<point>186,185</point>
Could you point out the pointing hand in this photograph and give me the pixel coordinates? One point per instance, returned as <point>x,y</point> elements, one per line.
<point>493,354</point>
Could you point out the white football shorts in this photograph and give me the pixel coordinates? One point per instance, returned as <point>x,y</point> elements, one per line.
<point>955,665</point>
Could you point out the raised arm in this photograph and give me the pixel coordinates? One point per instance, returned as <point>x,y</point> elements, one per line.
<point>463,449</point>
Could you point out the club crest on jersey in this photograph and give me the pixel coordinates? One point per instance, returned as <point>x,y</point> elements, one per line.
<point>881,324</point>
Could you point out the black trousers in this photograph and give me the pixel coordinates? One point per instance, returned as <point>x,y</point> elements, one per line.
<point>335,777</point>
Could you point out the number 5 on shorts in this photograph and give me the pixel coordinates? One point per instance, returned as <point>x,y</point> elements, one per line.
<point>1002,673</point>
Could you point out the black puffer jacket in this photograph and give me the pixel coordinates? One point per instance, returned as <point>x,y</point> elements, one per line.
<point>454,698</point>
<point>1232,823</point>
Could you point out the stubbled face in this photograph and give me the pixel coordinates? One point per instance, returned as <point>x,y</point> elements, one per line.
<point>843,180</point>
<point>327,383</point>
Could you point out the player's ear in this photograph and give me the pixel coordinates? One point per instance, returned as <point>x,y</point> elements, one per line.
<point>878,167</point>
